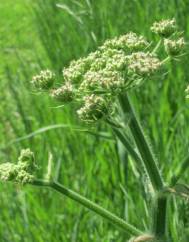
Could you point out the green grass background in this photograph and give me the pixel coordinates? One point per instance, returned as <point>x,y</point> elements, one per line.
<point>42,34</point>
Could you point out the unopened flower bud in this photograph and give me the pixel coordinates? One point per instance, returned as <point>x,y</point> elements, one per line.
<point>94,108</point>
<point>130,41</point>
<point>143,64</point>
<point>174,47</point>
<point>8,171</point>
<point>64,94</point>
<point>44,80</point>
<point>26,160</point>
<point>22,172</point>
<point>74,72</point>
<point>164,28</point>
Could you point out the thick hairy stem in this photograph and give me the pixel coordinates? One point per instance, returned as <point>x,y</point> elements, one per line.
<point>142,145</point>
<point>160,202</point>
<point>159,217</point>
<point>90,205</point>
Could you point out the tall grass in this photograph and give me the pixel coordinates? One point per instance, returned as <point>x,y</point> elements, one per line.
<point>54,33</point>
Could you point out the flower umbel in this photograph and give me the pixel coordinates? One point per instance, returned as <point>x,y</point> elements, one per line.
<point>164,28</point>
<point>174,47</point>
<point>116,66</point>
<point>128,41</point>
<point>95,108</point>
<point>144,64</point>
<point>64,93</point>
<point>22,172</point>
<point>44,80</point>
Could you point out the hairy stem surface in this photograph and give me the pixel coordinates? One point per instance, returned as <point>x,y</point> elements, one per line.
<point>159,217</point>
<point>90,205</point>
<point>142,145</point>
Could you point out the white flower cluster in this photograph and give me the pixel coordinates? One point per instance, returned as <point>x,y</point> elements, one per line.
<point>164,28</point>
<point>44,80</point>
<point>119,64</point>
<point>22,172</point>
<point>129,41</point>
<point>144,64</point>
<point>103,80</point>
<point>174,47</point>
<point>95,108</point>
<point>105,73</point>
<point>64,93</point>
<point>167,29</point>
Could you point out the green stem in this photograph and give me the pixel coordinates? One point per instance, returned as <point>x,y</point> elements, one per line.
<point>127,145</point>
<point>159,217</point>
<point>90,205</point>
<point>142,145</point>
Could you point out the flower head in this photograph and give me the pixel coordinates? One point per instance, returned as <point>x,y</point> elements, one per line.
<point>44,80</point>
<point>20,172</point>
<point>8,171</point>
<point>74,72</point>
<point>95,108</point>
<point>129,41</point>
<point>164,28</point>
<point>143,64</point>
<point>116,66</point>
<point>64,93</point>
<point>174,47</point>
<point>105,79</point>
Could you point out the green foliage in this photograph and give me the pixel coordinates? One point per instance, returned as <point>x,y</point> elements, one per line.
<point>51,35</point>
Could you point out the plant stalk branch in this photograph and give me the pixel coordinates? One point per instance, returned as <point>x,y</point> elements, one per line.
<point>90,205</point>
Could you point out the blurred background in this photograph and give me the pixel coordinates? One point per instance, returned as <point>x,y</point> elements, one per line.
<point>41,34</point>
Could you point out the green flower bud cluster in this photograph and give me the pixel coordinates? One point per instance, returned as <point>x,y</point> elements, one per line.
<point>44,80</point>
<point>118,65</point>
<point>95,107</point>
<point>130,41</point>
<point>143,64</point>
<point>174,47</point>
<point>64,93</point>
<point>104,80</point>
<point>164,28</point>
<point>168,30</point>
<point>22,172</point>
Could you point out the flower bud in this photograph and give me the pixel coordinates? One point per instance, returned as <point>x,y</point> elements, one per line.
<point>143,64</point>
<point>103,80</point>
<point>8,171</point>
<point>94,108</point>
<point>63,94</point>
<point>128,41</point>
<point>164,28</point>
<point>26,160</point>
<point>174,47</point>
<point>74,72</point>
<point>20,172</point>
<point>44,80</point>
